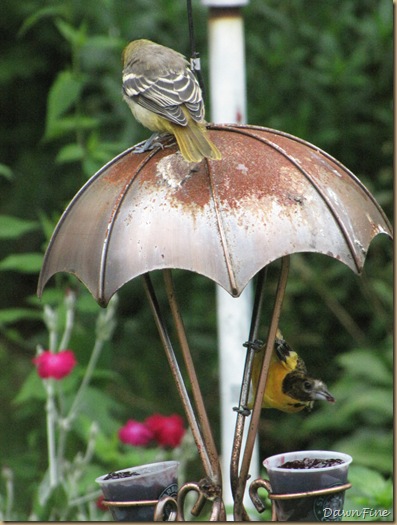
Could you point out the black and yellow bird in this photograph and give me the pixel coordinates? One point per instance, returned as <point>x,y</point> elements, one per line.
<point>288,386</point>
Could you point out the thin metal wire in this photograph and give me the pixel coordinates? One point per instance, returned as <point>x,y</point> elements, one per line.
<point>194,55</point>
<point>311,493</point>
<point>139,503</point>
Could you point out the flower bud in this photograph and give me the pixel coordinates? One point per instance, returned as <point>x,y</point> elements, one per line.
<point>168,430</point>
<point>135,433</point>
<point>55,365</point>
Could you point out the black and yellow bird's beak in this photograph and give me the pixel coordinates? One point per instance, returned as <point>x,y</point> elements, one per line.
<point>320,392</point>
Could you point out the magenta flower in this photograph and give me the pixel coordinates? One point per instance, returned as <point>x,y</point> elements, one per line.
<point>54,365</point>
<point>168,430</point>
<point>135,433</point>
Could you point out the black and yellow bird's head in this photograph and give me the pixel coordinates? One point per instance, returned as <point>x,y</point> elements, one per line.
<point>305,390</point>
<point>289,388</point>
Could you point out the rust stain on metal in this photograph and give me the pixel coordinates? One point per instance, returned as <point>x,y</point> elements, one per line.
<point>187,182</point>
<point>117,171</point>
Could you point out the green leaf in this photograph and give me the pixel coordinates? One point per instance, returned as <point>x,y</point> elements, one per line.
<point>24,263</point>
<point>47,224</point>
<point>366,364</point>
<point>50,500</point>
<point>359,443</point>
<point>38,15</point>
<point>13,227</point>
<point>369,490</point>
<point>101,42</point>
<point>108,448</point>
<point>66,125</point>
<point>97,402</point>
<point>6,172</point>
<point>365,479</point>
<point>70,153</point>
<point>64,93</point>
<point>76,37</point>
<point>13,315</point>
<point>32,388</point>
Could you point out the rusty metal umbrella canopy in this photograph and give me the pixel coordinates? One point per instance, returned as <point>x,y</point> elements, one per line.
<point>272,195</point>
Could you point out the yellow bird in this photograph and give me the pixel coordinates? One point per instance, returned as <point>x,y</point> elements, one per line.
<point>164,95</point>
<point>288,387</point>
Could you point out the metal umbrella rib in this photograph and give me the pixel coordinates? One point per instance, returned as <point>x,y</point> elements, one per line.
<point>112,222</point>
<point>323,197</point>
<point>222,235</point>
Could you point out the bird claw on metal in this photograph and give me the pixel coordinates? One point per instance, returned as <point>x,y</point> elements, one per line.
<point>243,410</point>
<point>151,143</point>
<point>256,345</point>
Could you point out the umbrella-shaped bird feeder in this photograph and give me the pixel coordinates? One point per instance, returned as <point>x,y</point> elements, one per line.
<point>270,196</point>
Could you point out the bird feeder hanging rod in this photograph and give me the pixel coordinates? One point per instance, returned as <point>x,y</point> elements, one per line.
<point>205,426</point>
<point>245,386</point>
<point>165,339</point>
<point>240,483</point>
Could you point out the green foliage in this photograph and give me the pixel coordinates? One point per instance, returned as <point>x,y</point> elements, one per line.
<point>321,73</point>
<point>369,491</point>
<point>13,228</point>
<point>24,263</point>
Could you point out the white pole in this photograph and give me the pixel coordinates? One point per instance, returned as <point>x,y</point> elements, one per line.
<point>228,105</point>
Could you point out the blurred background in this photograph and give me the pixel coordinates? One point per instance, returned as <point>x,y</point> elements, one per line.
<point>319,70</point>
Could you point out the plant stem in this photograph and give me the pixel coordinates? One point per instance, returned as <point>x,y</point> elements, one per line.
<point>7,475</point>
<point>51,320</point>
<point>70,301</point>
<point>85,499</point>
<point>51,445</point>
<point>86,379</point>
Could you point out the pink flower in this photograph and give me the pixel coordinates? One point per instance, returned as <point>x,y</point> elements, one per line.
<point>56,365</point>
<point>168,430</point>
<point>135,433</point>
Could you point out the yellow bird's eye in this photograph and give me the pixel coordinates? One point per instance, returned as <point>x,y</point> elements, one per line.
<point>307,385</point>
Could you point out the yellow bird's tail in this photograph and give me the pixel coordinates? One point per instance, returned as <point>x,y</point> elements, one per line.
<point>194,142</point>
